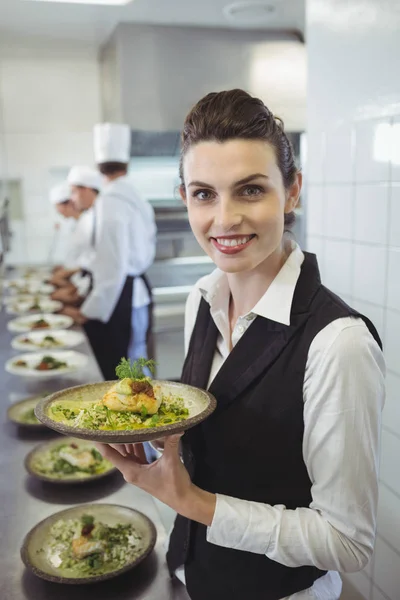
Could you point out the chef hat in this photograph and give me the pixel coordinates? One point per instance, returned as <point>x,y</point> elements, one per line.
<point>60,193</point>
<point>112,143</point>
<point>85,177</point>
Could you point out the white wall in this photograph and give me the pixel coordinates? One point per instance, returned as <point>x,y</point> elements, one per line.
<point>50,100</point>
<point>353,213</point>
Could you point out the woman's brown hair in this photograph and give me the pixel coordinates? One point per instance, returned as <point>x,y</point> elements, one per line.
<point>234,114</point>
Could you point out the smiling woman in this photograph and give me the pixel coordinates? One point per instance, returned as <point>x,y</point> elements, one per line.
<point>277,491</point>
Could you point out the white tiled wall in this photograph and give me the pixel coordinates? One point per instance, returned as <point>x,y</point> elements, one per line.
<point>353,211</point>
<point>50,101</point>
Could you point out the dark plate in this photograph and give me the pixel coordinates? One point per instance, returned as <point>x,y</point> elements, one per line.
<point>65,479</point>
<point>110,514</point>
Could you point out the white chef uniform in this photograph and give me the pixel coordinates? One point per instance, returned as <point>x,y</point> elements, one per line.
<point>125,243</point>
<point>81,251</point>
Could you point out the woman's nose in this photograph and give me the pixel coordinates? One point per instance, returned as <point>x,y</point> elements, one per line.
<point>228,214</point>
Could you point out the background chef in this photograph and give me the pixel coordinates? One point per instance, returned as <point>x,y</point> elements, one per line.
<point>117,311</point>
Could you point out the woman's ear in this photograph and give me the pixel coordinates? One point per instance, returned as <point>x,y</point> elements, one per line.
<point>182,192</point>
<point>293,193</point>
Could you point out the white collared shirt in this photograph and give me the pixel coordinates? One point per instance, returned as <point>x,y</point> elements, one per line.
<point>125,245</point>
<point>343,395</point>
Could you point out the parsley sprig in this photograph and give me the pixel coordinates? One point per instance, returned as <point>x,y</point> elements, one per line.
<point>134,370</point>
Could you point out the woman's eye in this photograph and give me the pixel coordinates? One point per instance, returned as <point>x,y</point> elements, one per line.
<point>252,190</point>
<point>202,195</point>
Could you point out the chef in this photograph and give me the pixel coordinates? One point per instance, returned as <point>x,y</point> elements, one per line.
<point>117,312</point>
<point>71,278</point>
<point>60,198</point>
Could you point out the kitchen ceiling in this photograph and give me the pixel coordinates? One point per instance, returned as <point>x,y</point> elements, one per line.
<point>92,24</point>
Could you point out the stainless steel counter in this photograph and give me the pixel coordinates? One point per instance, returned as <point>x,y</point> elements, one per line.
<point>24,501</point>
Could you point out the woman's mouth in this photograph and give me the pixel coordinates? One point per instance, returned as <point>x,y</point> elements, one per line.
<point>232,244</point>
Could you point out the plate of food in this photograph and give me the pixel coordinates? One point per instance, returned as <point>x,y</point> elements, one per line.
<point>51,364</point>
<point>88,543</point>
<point>54,340</point>
<point>135,408</point>
<point>40,322</point>
<point>67,461</point>
<point>28,286</point>
<point>35,272</point>
<point>22,413</point>
<point>7,300</point>
<point>34,306</point>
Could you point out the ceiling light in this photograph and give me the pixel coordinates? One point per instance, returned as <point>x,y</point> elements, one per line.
<point>104,2</point>
<point>250,12</point>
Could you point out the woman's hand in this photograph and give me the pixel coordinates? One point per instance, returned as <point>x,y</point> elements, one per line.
<point>166,479</point>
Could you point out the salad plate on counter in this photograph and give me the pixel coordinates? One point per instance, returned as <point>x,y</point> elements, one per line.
<point>39,322</point>
<point>135,408</point>
<point>29,286</point>
<point>22,413</point>
<point>13,299</point>
<point>88,543</point>
<point>67,460</point>
<point>45,365</point>
<point>48,340</point>
<point>35,305</point>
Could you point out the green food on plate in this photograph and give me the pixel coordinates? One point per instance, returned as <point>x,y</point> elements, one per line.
<point>85,547</point>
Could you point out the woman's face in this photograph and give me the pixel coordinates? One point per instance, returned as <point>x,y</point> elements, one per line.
<point>236,202</point>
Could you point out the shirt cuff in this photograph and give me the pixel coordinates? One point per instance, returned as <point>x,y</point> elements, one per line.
<point>241,525</point>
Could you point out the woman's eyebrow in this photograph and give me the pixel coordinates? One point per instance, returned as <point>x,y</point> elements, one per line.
<point>240,182</point>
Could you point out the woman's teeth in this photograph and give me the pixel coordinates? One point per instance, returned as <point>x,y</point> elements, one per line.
<point>233,241</point>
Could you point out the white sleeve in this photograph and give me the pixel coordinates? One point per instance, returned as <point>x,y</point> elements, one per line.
<point>343,399</point>
<point>109,266</point>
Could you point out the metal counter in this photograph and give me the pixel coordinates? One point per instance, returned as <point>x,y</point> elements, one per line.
<point>24,501</point>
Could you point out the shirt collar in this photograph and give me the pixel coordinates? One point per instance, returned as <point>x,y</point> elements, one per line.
<point>275,304</point>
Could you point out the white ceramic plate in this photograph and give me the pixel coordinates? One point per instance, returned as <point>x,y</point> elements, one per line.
<point>14,299</point>
<point>47,305</point>
<point>66,339</point>
<point>22,324</point>
<point>75,361</point>
<point>28,286</point>
<point>34,272</point>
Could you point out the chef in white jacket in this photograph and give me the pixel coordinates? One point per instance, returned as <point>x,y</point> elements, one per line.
<point>60,198</point>
<point>117,311</point>
<point>81,245</point>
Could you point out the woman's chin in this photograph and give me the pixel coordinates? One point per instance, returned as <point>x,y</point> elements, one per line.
<point>233,264</point>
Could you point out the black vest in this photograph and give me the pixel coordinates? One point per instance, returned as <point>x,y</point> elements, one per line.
<point>251,447</point>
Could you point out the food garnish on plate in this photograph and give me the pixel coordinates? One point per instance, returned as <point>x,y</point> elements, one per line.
<point>74,459</point>
<point>87,546</point>
<point>20,363</point>
<point>131,403</point>
<point>49,363</point>
<point>40,324</point>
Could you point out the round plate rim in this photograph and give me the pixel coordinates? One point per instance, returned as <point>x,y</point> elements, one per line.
<point>57,305</point>
<point>39,425</point>
<point>97,578</point>
<point>44,374</point>
<point>14,340</point>
<point>42,315</point>
<point>128,435</point>
<point>48,479</point>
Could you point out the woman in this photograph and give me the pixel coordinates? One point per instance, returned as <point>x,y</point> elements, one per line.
<point>278,489</point>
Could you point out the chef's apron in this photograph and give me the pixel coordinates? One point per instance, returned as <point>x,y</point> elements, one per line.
<point>110,341</point>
